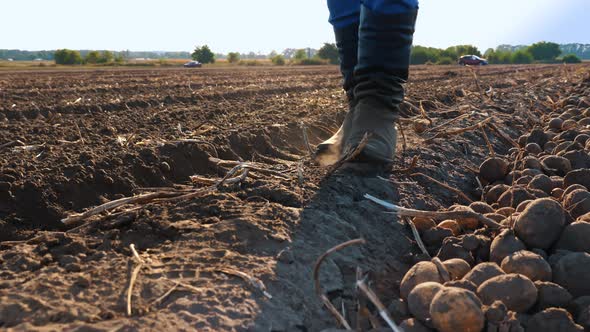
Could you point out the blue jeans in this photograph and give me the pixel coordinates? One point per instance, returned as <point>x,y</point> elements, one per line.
<point>346,12</point>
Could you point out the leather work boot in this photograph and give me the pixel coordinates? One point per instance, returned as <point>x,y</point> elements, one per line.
<point>385,42</point>
<point>328,152</point>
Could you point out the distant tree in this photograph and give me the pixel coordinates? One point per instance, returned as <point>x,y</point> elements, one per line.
<point>106,57</point>
<point>272,54</point>
<point>119,58</point>
<point>67,57</point>
<point>498,56</point>
<point>203,54</point>
<point>544,51</point>
<point>300,54</point>
<point>521,57</point>
<point>233,57</point>
<point>421,55</point>
<point>278,60</point>
<point>446,61</point>
<point>330,53</point>
<point>571,58</point>
<point>460,50</point>
<point>288,53</point>
<point>92,57</point>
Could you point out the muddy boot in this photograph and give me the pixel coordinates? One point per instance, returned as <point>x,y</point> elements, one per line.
<point>385,42</point>
<point>328,152</point>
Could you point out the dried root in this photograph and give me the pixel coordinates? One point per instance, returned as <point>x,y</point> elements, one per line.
<point>456,215</point>
<point>318,288</point>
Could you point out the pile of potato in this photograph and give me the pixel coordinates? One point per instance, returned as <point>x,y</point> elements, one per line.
<point>531,275</point>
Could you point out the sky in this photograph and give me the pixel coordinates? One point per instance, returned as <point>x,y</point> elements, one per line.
<point>265,25</point>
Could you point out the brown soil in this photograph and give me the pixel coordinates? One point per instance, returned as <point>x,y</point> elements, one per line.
<point>83,138</point>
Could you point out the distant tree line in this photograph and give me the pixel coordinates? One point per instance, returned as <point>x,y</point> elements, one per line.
<point>20,55</point>
<point>542,52</point>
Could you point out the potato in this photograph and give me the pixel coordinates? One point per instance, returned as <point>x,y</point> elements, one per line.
<point>552,295</point>
<point>420,298</point>
<point>577,202</point>
<point>540,224</point>
<point>541,182</point>
<point>568,124</point>
<point>579,158</point>
<point>419,273</point>
<point>495,216</point>
<point>451,225</point>
<point>423,224</point>
<point>515,196</point>
<point>572,271</point>
<point>522,206</point>
<point>529,264</point>
<point>496,312</point>
<point>493,169</point>
<point>553,319</point>
<point>495,192</point>
<point>530,162</point>
<point>557,193</point>
<point>575,237</point>
<point>457,268</point>
<point>506,211</point>
<point>482,272</point>
<point>582,139</point>
<point>434,237</point>
<point>516,291</point>
<point>555,123</point>
<point>559,164</point>
<point>533,148</point>
<point>571,188</point>
<point>549,147</point>
<point>456,309</point>
<point>452,249</point>
<point>505,244</point>
<point>465,284</point>
<point>466,223</point>
<point>537,136</point>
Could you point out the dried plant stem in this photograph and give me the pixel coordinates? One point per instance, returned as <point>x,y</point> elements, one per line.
<point>306,140</point>
<point>417,237</point>
<point>424,115</point>
<point>114,204</point>
<point>318,288</point>
<point>457,215</point>
<point>134,274</point>
<point>442,270</point>
<point>485,137</point>
<point>165,295</point>
<point>462,116</point>
<point>404,141</point>
<point>380,307</point>
<point>444,185</point>
<point>457,131</point>
<point>502,135</point>
<point>254,282</point>
<point>476,79</point>
<point>252,166</point>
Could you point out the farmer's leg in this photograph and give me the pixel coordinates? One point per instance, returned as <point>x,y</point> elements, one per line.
<point>385,39</point>
<point>344,17</point>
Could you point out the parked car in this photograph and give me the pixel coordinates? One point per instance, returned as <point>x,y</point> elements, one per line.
<point>472,60</point>
<point>193,64</point>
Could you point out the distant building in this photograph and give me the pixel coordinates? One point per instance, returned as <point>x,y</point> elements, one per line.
<point>9,59</point>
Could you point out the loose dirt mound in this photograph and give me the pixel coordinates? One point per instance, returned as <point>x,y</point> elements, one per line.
<point>74,140</point>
